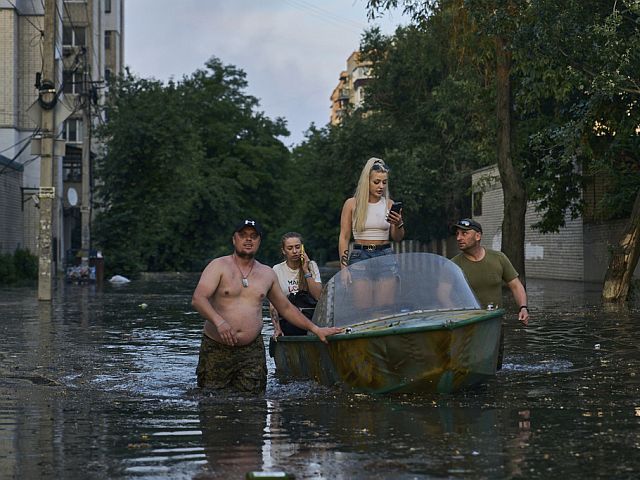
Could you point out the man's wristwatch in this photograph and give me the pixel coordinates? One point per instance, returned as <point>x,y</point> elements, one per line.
<point>525,307</point>
<point>308,275</point>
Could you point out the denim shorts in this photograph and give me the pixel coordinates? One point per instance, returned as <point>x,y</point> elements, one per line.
<point>389,269</point>
<point>364,254</point>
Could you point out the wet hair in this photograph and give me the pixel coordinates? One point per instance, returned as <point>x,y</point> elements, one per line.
<point>362,191</point>
<point>302,282</point>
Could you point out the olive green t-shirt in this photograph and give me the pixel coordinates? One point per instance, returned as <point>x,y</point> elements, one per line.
<point>486,276</point>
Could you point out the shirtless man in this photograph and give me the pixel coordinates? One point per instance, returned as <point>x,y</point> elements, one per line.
<point>229,296</point>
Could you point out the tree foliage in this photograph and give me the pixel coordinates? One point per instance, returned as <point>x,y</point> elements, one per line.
<point>578,62</point>
<point>183,162</point>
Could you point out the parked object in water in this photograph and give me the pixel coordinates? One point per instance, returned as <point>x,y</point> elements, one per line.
<point>425,333</point>
<point>119,279</point>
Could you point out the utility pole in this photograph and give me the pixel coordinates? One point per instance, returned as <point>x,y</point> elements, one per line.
<point>47,97</point>
<point>85,204</point>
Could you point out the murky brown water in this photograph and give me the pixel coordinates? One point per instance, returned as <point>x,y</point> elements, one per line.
<point>95,386</point>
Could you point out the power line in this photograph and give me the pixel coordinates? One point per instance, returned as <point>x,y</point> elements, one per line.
<point>15,144</point>
<point>27,18</point>
<point>327,16</point>
<point>24,147</point>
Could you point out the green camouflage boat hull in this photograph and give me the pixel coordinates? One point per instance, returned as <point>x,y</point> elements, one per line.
<point>429,352</point>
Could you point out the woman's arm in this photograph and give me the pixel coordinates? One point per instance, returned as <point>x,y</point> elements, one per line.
<point>397,224</point>
<point>345,231</point>
<point>315,287</point>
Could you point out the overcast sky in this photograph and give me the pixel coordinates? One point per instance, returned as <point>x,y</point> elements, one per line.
<point>291,50</point>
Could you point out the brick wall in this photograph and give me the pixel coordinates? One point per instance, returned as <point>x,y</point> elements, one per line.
<point>8,36</point>
<point>578,251</point>
<point>599,238</point>
<point>10,208</point>
<point>30,62</point>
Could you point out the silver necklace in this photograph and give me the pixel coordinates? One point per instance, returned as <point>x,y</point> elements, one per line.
<point>245,278</point>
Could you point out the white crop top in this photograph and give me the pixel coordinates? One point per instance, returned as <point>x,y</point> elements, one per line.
<point>376,226</point>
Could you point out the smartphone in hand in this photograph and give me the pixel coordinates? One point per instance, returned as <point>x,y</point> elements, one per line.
<point>396,207</point>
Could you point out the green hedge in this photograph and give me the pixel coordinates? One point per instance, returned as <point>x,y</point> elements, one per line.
<point>21,267</point>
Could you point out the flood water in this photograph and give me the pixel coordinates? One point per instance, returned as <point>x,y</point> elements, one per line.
<point>93,385</point>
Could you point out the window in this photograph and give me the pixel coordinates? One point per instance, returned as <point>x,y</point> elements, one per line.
<point>107,74</point>
<point>107,40</point>
<point>73,37</point>
<point>72,169</point>
<point>107,6</point>
<point>72,130</point>
<point>71,82</point>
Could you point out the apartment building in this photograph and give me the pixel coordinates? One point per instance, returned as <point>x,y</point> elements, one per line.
<point>348,95</point>
<point>89,49</point>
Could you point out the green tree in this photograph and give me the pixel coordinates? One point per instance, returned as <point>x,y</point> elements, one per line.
<point>496,22</point>
<point>578,65</point>
<point>424,113</point>
<point>183,162</point>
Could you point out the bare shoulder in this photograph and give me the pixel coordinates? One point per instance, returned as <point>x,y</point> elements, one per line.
<point>215,267</point>
<point>264,270</point>
<point>219,262</point>
<point>349,203</point>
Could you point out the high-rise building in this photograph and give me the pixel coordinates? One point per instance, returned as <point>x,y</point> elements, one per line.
<point>89,49</point>
<point>349,93</point>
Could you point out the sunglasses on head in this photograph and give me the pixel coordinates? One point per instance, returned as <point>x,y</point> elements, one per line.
<point>379,167</point>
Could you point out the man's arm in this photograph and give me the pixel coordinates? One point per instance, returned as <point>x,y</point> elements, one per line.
<point>520,297</point>
<point>287,310</point>
<point>275,319</point>
<point>206,288</point>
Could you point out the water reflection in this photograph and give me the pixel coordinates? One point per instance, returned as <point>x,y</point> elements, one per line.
<point>94,385</point>
<point>242,426</point>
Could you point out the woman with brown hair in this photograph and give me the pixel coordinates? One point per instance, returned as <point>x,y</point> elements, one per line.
<point>299,279</point>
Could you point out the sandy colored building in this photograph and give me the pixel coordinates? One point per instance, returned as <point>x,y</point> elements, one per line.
<point>349,94</point>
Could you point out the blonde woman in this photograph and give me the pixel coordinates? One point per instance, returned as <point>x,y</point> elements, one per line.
<point>369,218</point>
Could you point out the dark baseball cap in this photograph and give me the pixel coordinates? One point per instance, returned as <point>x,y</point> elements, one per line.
<point>247,222</point>
<point>467,224</point>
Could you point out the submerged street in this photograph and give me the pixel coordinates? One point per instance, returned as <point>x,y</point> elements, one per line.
<point>99,383</point>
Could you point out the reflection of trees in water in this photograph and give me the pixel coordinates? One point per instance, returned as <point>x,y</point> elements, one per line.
<point>388,437</point>
<point>232,437</point>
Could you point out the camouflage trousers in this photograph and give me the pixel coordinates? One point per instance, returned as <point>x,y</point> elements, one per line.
<point>242,368</point>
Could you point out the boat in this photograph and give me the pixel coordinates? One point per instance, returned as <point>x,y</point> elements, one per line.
<point>410,322</point>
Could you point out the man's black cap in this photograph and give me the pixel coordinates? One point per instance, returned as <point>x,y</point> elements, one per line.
<point>247,222</point>
<point>467,224</point>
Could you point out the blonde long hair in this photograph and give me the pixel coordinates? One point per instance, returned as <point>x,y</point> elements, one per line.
<point>362,191</point>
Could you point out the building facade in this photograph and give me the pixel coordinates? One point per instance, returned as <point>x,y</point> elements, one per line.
<point>579,251</point>
<point>348,95</point>
<point>89,49</point>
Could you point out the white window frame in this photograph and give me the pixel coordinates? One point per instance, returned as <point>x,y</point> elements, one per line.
<point>72,135</point>
<point>74,42</point>
<point>76,83</point>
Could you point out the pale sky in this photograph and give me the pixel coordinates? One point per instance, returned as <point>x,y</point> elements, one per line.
<point>291,50</point>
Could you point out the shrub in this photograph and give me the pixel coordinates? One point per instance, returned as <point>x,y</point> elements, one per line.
<point>18,268</point>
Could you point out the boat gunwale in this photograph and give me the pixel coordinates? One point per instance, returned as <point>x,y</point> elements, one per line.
<point>398,330</point>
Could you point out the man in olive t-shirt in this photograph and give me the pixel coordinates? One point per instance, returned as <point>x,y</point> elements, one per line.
<point>486,269</point>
